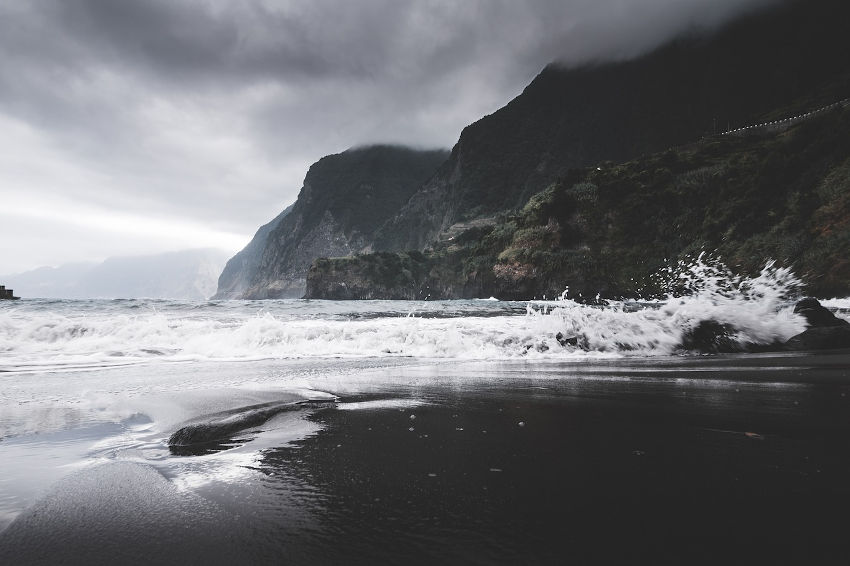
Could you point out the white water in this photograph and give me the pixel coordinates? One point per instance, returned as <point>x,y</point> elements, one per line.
<point>88,382</point>
<point>50,335</point>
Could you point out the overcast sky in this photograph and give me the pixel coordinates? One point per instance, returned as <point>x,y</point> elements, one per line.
<point>141,126</point>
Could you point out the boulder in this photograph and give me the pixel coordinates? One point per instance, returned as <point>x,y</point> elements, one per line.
<point>816,315</point>
<point>711,337</point>
<point>823,338</point>
<point>825,330</point>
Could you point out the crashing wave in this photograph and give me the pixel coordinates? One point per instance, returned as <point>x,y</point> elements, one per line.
<point>750,311</point>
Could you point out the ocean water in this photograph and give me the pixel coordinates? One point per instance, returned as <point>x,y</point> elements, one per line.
<point>440,425</point>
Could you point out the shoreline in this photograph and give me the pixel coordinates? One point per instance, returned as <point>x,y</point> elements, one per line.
<point>698,460</point>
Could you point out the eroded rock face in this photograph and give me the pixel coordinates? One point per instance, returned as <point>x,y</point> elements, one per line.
<point>344,199</point>
<point>242,268</point>
<point>826,331</point>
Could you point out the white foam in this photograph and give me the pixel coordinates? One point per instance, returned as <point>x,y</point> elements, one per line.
<point>836,303</point>
<point>759,308</point>
<point>381,404</point>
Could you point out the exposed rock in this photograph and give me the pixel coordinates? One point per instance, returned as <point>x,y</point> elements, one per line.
<point>816,315</point>
<point>242,268</point>
<point>211,434</point>
<point>822,338</point>
<point>711,337</point>
<point>345,198</point>
<point>826,331</point>
<point>611,230</point>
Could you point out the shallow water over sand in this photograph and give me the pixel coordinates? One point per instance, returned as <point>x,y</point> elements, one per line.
<point>484,432</point>
<point>700,459</point>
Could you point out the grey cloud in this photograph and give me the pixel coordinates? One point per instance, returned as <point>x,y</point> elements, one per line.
<point>212,111</point>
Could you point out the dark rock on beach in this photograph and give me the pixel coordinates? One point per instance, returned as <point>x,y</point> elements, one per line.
<point>816,315</point>
<point>219,431</point>
<point>825,330</point>
<point>824,338</point>
<point>711,337</point>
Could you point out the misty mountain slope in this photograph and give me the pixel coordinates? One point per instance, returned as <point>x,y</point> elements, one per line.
<point>188,274</point>
<point>790,56</point>
<point>345,198</point>
<point>614,230</point>
<point>241,269</point>
<point>50,282</point>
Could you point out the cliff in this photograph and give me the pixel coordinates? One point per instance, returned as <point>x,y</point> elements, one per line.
<point>241,269</point>
<point>610,230</point>
<point>784,59</point>
<point>345,197</point>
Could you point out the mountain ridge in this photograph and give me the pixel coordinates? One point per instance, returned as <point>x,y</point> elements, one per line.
<point>695,85</point>
<point>184,274</point>
<point>616,230</point>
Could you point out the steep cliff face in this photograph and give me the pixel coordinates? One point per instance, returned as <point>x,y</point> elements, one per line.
<point>785,57</point>
<point>242,268</point>
<point>345,198</point>
<point>611,230</point>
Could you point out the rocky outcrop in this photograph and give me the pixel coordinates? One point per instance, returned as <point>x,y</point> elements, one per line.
<point>241,269</point>
<point>219,431</point>
<point>816,315</point>
<point>613,229</point>
<point>825,330</point>
<point>345,198</point>
<point>392,276</point>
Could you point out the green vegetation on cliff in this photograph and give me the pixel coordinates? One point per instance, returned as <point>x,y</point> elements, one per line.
<point>772,63</point>
<point>610,229</point>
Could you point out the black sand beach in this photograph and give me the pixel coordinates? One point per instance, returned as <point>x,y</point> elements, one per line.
<point>701,460</point>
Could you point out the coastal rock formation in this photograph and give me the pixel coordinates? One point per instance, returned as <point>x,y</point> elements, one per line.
<point>218,432</point>
<point>816,315</point>
<point>780,59</point>
<point>345,198</point>
<point>611,230</point>
<point>241,269</point>
<point>560,211</point>
<point>711,337</point>
<point>825,330</point>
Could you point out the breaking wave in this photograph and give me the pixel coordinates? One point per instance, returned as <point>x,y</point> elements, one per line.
<point>40,335</point>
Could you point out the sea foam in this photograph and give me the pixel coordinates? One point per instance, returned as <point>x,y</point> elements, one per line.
<point>40,335</point>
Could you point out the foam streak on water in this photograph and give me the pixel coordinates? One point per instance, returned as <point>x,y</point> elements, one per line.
<point>44,335</point>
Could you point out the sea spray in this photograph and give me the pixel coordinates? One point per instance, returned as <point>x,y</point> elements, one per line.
<point>757,310</point>
<point>35,336</point>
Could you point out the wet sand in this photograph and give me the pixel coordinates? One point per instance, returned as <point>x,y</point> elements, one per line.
<point>723,460</point>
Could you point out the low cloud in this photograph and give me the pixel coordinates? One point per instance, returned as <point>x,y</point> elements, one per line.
<point>208,113</point>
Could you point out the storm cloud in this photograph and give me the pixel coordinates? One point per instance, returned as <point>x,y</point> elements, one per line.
<point>140,126</point>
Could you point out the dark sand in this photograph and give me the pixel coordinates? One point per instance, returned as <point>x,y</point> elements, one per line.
<point>725,460</point>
